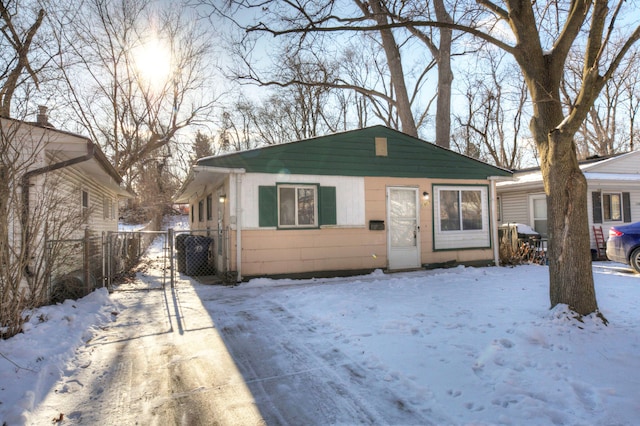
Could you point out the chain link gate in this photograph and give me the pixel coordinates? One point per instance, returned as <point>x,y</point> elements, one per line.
<point>79,266</point>
<point>126,251</point>
<point>196,254</point>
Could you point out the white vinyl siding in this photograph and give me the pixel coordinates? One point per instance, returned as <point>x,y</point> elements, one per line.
<point>448,239</point>
<point>350,200</point>
<point>71,181</point>
<point>514,208</point>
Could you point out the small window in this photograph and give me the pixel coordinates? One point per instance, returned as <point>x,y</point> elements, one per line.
<point>297,206</point>
<point>201,211</point>
<point>105,208</point>
<point>108,209</point>
<point>210,207</point>
<point>612,207</point>
<point>85,204</point>
<point>192,214</point>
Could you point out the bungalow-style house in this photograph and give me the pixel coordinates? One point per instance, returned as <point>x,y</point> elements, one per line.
<point>613,185</point>
<point>353,201</point>
<point>56,185</point>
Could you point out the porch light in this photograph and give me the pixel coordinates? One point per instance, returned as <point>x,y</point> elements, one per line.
<point>425,196</point>
<point>222,198</point>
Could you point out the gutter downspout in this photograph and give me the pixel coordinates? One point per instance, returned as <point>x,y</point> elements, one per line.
<point>26,178</point>
<point>494,214</point>
<point>238,227</point>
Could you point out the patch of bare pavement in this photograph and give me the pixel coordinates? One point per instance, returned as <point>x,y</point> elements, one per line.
<point>163,361</point>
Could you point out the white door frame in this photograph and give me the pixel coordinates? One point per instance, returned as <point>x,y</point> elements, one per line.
<point>403,250</point>
<point>532,215</point>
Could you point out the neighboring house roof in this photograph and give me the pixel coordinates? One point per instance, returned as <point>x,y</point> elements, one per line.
<point>89,158</point>
<point>353,153</point>
<point>594,169</point>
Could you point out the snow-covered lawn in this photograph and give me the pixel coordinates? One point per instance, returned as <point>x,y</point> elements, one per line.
<point>455,346</point>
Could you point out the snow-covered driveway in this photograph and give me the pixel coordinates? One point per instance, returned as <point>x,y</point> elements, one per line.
<point>160,362</point>
<point>164,361</point>
<point>454,347</point>
<point>296,380</point>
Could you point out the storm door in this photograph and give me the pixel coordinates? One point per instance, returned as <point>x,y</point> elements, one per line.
<point>403,242</point>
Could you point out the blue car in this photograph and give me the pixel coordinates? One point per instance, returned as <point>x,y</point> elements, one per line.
<point>623,245</point>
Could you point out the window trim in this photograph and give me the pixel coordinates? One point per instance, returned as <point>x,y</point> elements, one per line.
<point>201,210</point>
<point>532,198</point>
<point>296,186</point>
<point>84,203</point>
<point>210,207</point>
<point>607,213</point>
<point>460,239</point>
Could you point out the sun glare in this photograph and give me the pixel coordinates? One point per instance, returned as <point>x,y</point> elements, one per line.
<point>153,63</point>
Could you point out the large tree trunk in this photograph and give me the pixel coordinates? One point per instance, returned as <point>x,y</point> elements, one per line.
<point>445,78</point>
<point>392,53</point>
<point>570,275</point>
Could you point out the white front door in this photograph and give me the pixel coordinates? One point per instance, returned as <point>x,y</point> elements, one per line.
<point>403,237</point>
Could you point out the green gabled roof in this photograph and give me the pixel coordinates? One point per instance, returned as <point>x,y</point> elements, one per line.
<point>353,153</point>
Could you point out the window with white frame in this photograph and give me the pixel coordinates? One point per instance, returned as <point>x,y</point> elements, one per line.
<point>297,206</point>
<point>461,217</point>
<point>538,213</point>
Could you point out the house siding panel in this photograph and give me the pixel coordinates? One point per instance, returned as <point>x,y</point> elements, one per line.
<point>349,196</point>
<point>626,163</point>
<point>272,252</point>
<point>515,208</point>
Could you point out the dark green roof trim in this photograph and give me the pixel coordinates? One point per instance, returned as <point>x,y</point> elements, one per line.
<point>353,153</point>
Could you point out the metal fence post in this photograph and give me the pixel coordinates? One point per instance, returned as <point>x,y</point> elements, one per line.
<point>170,234</point>
<point>86,264</point>
<point>104,259</point>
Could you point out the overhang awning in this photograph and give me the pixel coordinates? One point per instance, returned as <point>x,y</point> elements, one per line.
<point>199,178</point>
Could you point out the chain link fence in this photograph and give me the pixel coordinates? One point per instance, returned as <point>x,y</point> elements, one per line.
<point>196,253</point>
<point>76,267</point>
<point>79,266</point>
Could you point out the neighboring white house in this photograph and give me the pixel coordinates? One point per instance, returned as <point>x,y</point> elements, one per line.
<point>613,185</point>
<point>56,185</point>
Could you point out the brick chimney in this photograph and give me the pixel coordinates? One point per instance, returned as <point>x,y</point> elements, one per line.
<point>42,118</point>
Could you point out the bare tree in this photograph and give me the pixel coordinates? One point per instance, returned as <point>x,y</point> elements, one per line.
<point>540,43</point>
<point>17,47</point>
<point>605,131</point>
<point>144,78</point>
<point>394,97</point>
<point>491,127</point>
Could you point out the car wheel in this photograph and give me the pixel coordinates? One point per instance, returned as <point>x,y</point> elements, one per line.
<point>635,260</point>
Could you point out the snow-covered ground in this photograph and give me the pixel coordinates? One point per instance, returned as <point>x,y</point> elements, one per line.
<point>455,346</point>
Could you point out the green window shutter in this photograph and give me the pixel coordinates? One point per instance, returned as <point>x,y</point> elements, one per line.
<point>626,207</point>
<point>267,206</point>
<point>327,207</point>
<point>597,207</point>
